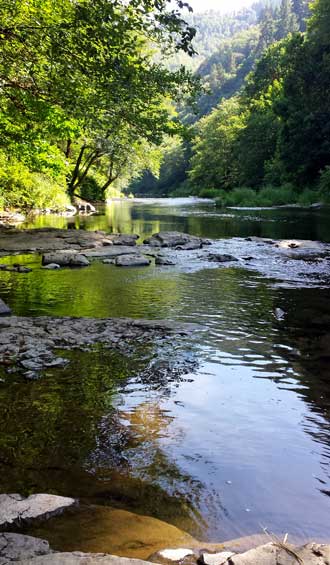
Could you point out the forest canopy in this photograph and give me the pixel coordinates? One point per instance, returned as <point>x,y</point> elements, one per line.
<point>82,97</point>
<point>265,134</point>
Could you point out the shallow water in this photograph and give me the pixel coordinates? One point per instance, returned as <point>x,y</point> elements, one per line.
<point>241,443</point>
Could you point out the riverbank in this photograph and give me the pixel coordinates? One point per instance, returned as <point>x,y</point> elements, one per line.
<point>129,536</point>
<point>202,449</point>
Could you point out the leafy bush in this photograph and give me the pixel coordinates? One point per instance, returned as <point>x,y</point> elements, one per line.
<point>21,188</point>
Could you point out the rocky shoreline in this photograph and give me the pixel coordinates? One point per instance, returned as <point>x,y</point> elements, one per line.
<point>18,511</point>
<point>30,345</point>
<point>297,262</point>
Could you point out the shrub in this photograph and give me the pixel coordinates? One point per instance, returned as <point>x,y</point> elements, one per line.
<point>21,188</point>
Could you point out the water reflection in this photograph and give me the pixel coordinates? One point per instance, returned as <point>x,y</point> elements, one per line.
<point>241,442</point>
<point>198,217</point>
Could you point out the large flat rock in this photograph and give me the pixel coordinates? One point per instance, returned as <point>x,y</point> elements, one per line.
<point>29,344</point>
<point>52,239</point>
<point>16,509</point>
<point>14,547</point>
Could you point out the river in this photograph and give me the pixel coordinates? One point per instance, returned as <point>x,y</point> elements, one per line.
<point>241,442</point>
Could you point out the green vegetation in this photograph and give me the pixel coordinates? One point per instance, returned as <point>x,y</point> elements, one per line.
<point>81,95</point>
<point>266,123</point>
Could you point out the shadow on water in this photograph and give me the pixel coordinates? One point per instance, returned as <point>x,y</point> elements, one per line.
<point>240,443</point>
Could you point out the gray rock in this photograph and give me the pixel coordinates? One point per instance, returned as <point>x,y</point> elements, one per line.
<point>112,251</point>
<point>221,257</point>
<point>132,261</point>
<point>216,558</point>
<point>16,509</point>
<point>174,239</point>
<point>51,266</point>
<point>14,547</point>
<point>65,259</point>
<point>108,261</point>
<point>4,309</point>
<point>160,260</point>
<point>280,554</point>
<point>124,239</point>
<point>190,246</point>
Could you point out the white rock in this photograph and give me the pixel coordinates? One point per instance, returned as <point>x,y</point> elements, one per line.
<point>175,554</point>
<point>51,266</point>
<point>216,558</point>
<point>15,508</point>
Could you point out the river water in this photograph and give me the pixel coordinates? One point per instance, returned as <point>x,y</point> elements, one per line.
<point>240,443</point>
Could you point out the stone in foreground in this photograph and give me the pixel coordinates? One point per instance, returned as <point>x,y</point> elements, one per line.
<point>14,547</point>
<point>65,259</point>
<point>132,261</point>
<point>280,554</point>
<point>15,509</point>
<point>216,558</point>
<point>175,554</point>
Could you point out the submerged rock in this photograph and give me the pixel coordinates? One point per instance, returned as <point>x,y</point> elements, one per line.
<point>221,257</point>
<point>31,343</point>
<point>65,259</point>
<point>16,509</point>
<point>132,261</point>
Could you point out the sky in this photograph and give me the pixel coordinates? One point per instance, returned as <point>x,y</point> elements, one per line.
<point>220,5</point>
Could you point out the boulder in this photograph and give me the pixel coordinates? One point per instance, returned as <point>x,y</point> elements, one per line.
<point>190,246</point>
<point>221,257</point>
<point>16,509</point>
<point>160,260</point>
<point>174,239</point>
<point>132,261</point>
<point>4,309</point>
<point>65,259</point>
<point>124,239</point>
<point>283,554</point>
<point>14,547</point>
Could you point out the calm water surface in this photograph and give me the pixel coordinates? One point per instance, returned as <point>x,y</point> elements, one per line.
<point>241,443</point>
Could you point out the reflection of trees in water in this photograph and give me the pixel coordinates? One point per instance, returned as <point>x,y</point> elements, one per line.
<point>64,434</point>
<point>306,331</point>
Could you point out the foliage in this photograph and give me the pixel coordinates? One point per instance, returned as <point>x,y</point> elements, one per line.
<point>25,189</point>
<point>79,85</point>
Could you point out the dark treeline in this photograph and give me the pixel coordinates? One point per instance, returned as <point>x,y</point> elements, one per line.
<point>267,139</point>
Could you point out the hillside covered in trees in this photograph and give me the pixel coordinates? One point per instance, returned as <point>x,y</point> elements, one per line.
<point>264,134</point>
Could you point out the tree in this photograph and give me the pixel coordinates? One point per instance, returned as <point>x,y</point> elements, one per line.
<point>287,22</point>
<point>77,75</point>
<point>301,10</point>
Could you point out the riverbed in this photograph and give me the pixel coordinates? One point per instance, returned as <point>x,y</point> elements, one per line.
<point>237,444</point>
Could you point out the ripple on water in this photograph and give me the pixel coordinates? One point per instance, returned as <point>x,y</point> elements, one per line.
<point>246,429</point>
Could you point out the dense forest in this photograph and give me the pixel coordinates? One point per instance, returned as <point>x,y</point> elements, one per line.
<point>104,98</point>
<point>83,100</point>
<point>264,134</point>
